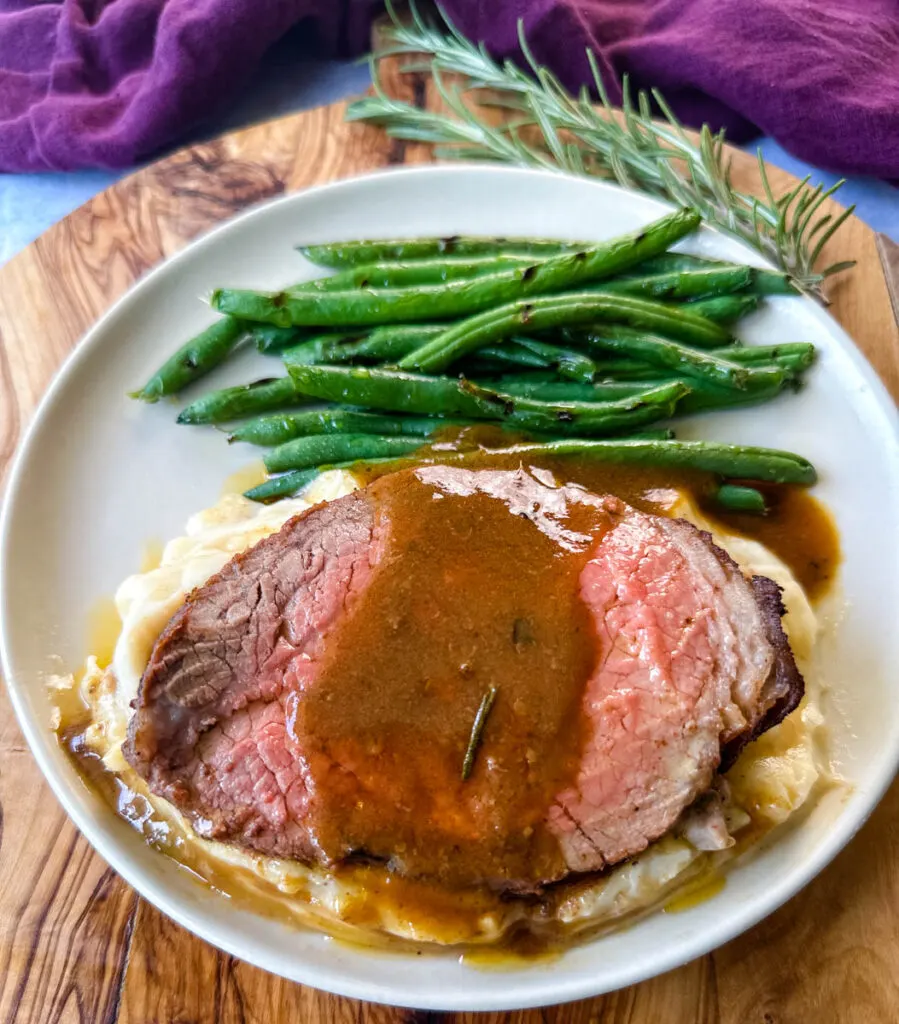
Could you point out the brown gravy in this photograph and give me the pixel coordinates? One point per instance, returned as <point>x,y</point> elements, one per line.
<point>531,635</point>
<point>474,590</point>
<point>796,527</point>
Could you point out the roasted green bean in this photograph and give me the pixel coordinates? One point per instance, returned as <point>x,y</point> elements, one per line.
<point>316,449</point>
<point>510,354</point>
<point>702,396</point>
<point>354,254</point>
<point>286,484</point>
<point>272,430</point>
<point>387,344</point>
<point>455,298</point>
<point>728,460</point>
<point>569,363</point>
<point>706,397</point>
<point>283,486</point>
<point>762,282</point>
<point>680,359</point>
<point>402,274</point>
<point>793,358</point>
<point>194,359</point>
<point>554,311</point>
<point>403,392</point>
<point>264,395</point>
<point>724,309</point>
<point>740,462</point>
<point>330,347</point>
<point>684,284</point>
<point>565,390</point>
<point>269,338</point>
<point>736,498</point>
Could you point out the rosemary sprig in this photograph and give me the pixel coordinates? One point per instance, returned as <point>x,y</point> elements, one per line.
<point>477,730</point>
<point>653,156</point>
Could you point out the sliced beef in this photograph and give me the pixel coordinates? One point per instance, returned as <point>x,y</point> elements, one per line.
<point>692,663</point>
<point>210,730</point>
<point>686,668</point>
<point>784,687</point>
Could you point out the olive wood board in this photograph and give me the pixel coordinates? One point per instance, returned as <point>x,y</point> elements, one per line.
<point>77,944</point>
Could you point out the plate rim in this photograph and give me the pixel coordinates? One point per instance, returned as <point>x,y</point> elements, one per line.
<point>340,981</point>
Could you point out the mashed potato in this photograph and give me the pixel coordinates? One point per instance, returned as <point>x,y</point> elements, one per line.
<point>771,780</point>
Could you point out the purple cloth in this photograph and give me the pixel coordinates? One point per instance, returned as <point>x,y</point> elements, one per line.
<point>105,83</point>
<point>109,82</point>
<point>820,76</point>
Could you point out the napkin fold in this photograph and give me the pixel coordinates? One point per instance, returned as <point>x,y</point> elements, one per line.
<point>106,83</point>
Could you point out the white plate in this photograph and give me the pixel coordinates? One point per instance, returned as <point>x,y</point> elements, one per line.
<point>99,475</point>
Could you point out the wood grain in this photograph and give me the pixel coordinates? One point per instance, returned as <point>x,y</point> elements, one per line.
<point>76,944</point>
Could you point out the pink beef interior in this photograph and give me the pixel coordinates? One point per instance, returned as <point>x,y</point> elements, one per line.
<point>693,662</point>
<point>678,626</point>
<point>210,734</point>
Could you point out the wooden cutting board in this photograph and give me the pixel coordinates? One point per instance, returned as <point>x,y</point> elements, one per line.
<point>77,944</point>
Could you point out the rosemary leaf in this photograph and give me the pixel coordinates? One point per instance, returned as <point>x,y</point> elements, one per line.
<point>657,157</point>
<point>477,730</point>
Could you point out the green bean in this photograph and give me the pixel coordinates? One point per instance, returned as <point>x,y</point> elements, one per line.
<point>553,311</point>
<point>194,359</point>
<point>512,354</point>
<point>674,262</point>
<point>565,390</point>
<point>793,358</point>
<point>570,364</point>
<point>289,483</point>
<point>748,463</point>
<point>684,284</point>
<point>400,274</point>
<point>272,339</point>
<point>724,309</point>
<point>271,430</point>
<point>354,254</point>
<point>244,400</point>
<point>383,344</point>
<point>702,397</point>
<point>403,392</point>
<point>741,499</point>
<point>282,486</point>
<point>455,298</point>
<point>286,484</point>
<point>771,282</point>
<point>387,344</point>
<point>727,460</point>
<point>628,370</point>
<point>680,359</point>
<point>707,397</point>
<point>762,282</point>
<point>530,352</point>
<point>303,452</point>
<point>330,347</point>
